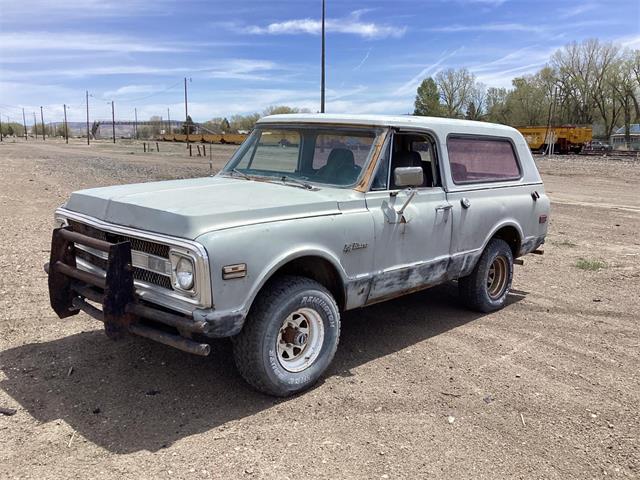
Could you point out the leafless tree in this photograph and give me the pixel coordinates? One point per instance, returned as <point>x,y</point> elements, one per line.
<point>624,85</point>
<point>582,69</point>
<point>456,90</point>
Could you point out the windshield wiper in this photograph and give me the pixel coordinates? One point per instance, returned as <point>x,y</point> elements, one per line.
<point>304,185</point>
<point>242,174</point>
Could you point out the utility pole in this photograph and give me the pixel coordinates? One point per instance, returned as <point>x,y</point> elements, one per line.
<point>169,121</point>
<point>66,126</point>
<point>87,97</point>
<point>135,123</point>
<point>42,120</point>
<point>549,141</point>
<point>186,111</point>
<point>24,124</point>
<point>35,125</point>
<point>0,127</point>
<point>113,122</point>
<point>323,62</point>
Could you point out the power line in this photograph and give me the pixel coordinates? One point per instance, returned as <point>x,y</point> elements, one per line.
<point>42,120</point>
<point>24,124</point>
<point>87,97</point>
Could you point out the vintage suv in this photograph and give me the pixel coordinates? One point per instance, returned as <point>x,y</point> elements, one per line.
<point>313,215</point>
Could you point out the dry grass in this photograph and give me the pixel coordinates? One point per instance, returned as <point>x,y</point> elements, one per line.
<point>590,264</point>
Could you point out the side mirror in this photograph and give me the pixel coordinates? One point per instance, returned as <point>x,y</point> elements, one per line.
<point>408,176</point>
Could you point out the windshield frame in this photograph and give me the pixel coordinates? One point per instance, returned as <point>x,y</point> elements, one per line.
<point>379,133</point>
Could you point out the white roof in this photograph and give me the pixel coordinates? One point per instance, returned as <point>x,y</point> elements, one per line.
<point>401,121</point>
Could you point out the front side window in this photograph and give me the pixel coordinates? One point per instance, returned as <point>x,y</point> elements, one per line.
<point>477,160</point>
<point>332,156</point>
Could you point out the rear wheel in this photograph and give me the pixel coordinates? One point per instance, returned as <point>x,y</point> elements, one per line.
<point>290,336</point>
<point>487,287</point>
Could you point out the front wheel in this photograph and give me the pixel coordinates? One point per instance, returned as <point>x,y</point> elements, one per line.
<point>487,287</point>
<point>290,336</point>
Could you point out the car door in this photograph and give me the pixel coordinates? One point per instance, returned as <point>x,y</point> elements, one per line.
<point>412,253</point>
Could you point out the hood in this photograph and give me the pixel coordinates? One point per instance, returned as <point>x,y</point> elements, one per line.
<point>189,208</point>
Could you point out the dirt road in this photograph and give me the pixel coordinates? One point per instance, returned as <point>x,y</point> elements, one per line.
<point>549,387</point>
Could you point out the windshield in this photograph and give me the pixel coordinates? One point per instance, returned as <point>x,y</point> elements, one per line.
<point>324,155</point>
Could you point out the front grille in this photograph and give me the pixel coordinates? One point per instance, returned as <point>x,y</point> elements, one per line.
<point>136,244</point>
<point>152,277</point>
<point>101,263</point>
<point>145,246</point>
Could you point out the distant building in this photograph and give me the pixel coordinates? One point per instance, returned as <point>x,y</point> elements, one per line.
<point>618,141</point>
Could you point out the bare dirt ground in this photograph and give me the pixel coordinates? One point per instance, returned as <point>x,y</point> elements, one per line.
<point>549,387</point>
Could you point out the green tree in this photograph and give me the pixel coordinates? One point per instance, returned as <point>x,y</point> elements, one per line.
<point>456,89</point>
<point>528,101</point>
<point>157,125</point>
<point>427,101</point>
<point>472,112</point>
<point>12,128</point>
<point>224,125</point>
<point>213,125</point>
<point>60,131</point>
<point>497,109</point>
<point>243,122</point>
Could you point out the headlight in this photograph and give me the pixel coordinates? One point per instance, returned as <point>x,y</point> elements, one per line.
<point>184,273</point>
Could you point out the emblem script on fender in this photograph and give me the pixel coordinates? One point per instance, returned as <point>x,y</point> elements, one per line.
<point>354,246</point>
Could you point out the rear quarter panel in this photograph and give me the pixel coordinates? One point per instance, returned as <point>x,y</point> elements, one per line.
<point>494,205</point>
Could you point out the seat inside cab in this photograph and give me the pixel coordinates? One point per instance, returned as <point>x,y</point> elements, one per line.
<point>414,150</point>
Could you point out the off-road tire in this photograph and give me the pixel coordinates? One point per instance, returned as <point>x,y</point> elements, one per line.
<point>474,289</point>
<point>254,348</point>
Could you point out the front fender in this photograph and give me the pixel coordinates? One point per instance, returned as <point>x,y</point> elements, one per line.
<point>267,247</point>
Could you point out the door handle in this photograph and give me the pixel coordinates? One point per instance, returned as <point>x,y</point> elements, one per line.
<point>465,203</point>
<point>443,208</point>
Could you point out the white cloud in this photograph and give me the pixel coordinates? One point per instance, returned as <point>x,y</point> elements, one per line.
<point>576,10</point>
<point>131,90</point>
<point>503,78</point>
<point>333,95</point>
<point>630,42</point>
<point>231,68</point>
<point>488,27</point>
<point>432,69</point>
<point>80,72</point>
<point>242,69</point>
<point>348,25</point>
<point>492,3</point>
<point>46,10</point>
<point>20,41</point>
<point>364,59</point>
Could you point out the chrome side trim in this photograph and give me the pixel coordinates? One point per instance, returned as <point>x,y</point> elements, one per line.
<point>153,293</point>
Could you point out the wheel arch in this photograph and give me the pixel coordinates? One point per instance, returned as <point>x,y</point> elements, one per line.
<point>511,233</point>
<point>317,265</point>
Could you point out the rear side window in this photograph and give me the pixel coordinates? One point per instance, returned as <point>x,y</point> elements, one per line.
<point>476,160</point>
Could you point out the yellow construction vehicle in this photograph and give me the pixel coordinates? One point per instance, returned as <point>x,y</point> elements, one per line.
<point>564,139</point>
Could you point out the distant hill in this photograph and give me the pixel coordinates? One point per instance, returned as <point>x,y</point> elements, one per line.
<point>124,128</point>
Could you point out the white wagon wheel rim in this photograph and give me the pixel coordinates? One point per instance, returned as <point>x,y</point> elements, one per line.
<point>300,340</point>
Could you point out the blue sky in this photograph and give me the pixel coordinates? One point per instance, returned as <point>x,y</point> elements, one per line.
<point>245,55</point>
